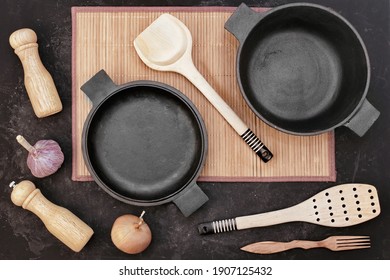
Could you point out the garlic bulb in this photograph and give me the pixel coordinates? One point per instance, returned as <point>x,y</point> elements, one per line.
<point>131,234</point>
<point>44,158</point>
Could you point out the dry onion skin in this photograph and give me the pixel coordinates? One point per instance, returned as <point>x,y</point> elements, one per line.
<point>131,234</point>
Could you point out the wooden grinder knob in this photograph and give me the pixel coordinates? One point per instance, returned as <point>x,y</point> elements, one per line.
<point>59,221</point>
<point>39,83</point>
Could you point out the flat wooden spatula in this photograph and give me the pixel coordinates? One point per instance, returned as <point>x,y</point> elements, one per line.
<point>338,206</point>
<point>166,45</point>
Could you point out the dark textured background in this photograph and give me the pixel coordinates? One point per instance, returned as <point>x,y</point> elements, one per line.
<point>22,235</point>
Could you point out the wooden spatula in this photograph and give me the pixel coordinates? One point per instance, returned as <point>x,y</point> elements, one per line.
<point>338,206</point>
<point>166,45</point>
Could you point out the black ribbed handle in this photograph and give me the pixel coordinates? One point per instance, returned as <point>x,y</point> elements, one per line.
<point>256,145</point>
<point>217,226</point>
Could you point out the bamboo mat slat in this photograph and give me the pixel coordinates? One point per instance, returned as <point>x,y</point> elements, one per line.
<point>103,39</point>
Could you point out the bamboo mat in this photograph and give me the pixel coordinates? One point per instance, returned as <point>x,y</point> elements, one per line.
<point>103,39</point>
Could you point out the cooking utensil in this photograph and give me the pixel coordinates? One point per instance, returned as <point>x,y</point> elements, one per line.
<point>334,243</point>
<point>303,69</point>
<point>38,81</point>
<point>44,158</point>
<point>59,221</point>
<point>166,45</point>
<point>144,143</point>
<point>338,206</point>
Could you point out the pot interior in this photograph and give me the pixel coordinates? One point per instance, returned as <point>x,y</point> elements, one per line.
<point>303,69</point>
<point>145,143</point>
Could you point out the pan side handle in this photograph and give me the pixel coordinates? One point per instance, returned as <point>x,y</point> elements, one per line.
<point>363,119</point>
<point>190,200</point>
<point>242,21</point>
<point>99,87</point>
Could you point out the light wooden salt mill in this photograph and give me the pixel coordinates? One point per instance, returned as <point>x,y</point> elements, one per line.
<point>38,82</point>
<point>59,221</point>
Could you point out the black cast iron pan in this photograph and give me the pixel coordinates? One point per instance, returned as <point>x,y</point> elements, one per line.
<point>303,69</point>
<point>144,143</point>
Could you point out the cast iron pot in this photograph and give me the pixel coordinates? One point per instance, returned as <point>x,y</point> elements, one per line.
<point>144,143</point>
<point>303,69</point>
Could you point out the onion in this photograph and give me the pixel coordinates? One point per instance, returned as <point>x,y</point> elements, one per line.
<point>131,234</point>
<point>44,158</point>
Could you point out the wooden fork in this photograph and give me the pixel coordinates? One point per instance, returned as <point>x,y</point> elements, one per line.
<point>334,243</point>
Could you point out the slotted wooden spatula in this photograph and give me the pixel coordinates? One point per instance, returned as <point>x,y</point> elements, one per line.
<point>166,45</point>
<point>338,206</point>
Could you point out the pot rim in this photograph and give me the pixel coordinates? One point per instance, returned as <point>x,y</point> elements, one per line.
<point>200,164</point>
<point>347,24</point>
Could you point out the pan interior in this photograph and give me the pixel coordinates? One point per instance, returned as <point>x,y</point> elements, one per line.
<point>145,143</point>
<point>303,69</point>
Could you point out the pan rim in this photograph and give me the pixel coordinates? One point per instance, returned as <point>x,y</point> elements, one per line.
<point>347,25</point>
<point>200,126</point>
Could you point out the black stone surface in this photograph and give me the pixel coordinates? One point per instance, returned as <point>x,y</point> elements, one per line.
<point>22,234</point>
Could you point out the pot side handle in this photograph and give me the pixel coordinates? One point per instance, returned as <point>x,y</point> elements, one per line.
<point>98,87</point>
<point>242,21</point>
<point>191,200</point>
<point>363,119</point>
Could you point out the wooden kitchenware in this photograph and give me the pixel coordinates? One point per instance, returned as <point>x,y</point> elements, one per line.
<point>338,206</point>
<point>38,81</point>
<point>166,45</point>
<point>333,243</point>
<point>59,221</point>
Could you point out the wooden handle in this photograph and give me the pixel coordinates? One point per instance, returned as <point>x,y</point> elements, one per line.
<point>188,69</point>
<point>39,83</point>
<point>270,247</point>
<point>193,75</point>
<point>258,220</point>
<point>59,221</point>
<point>285,215</point>
<point>290,214</point>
